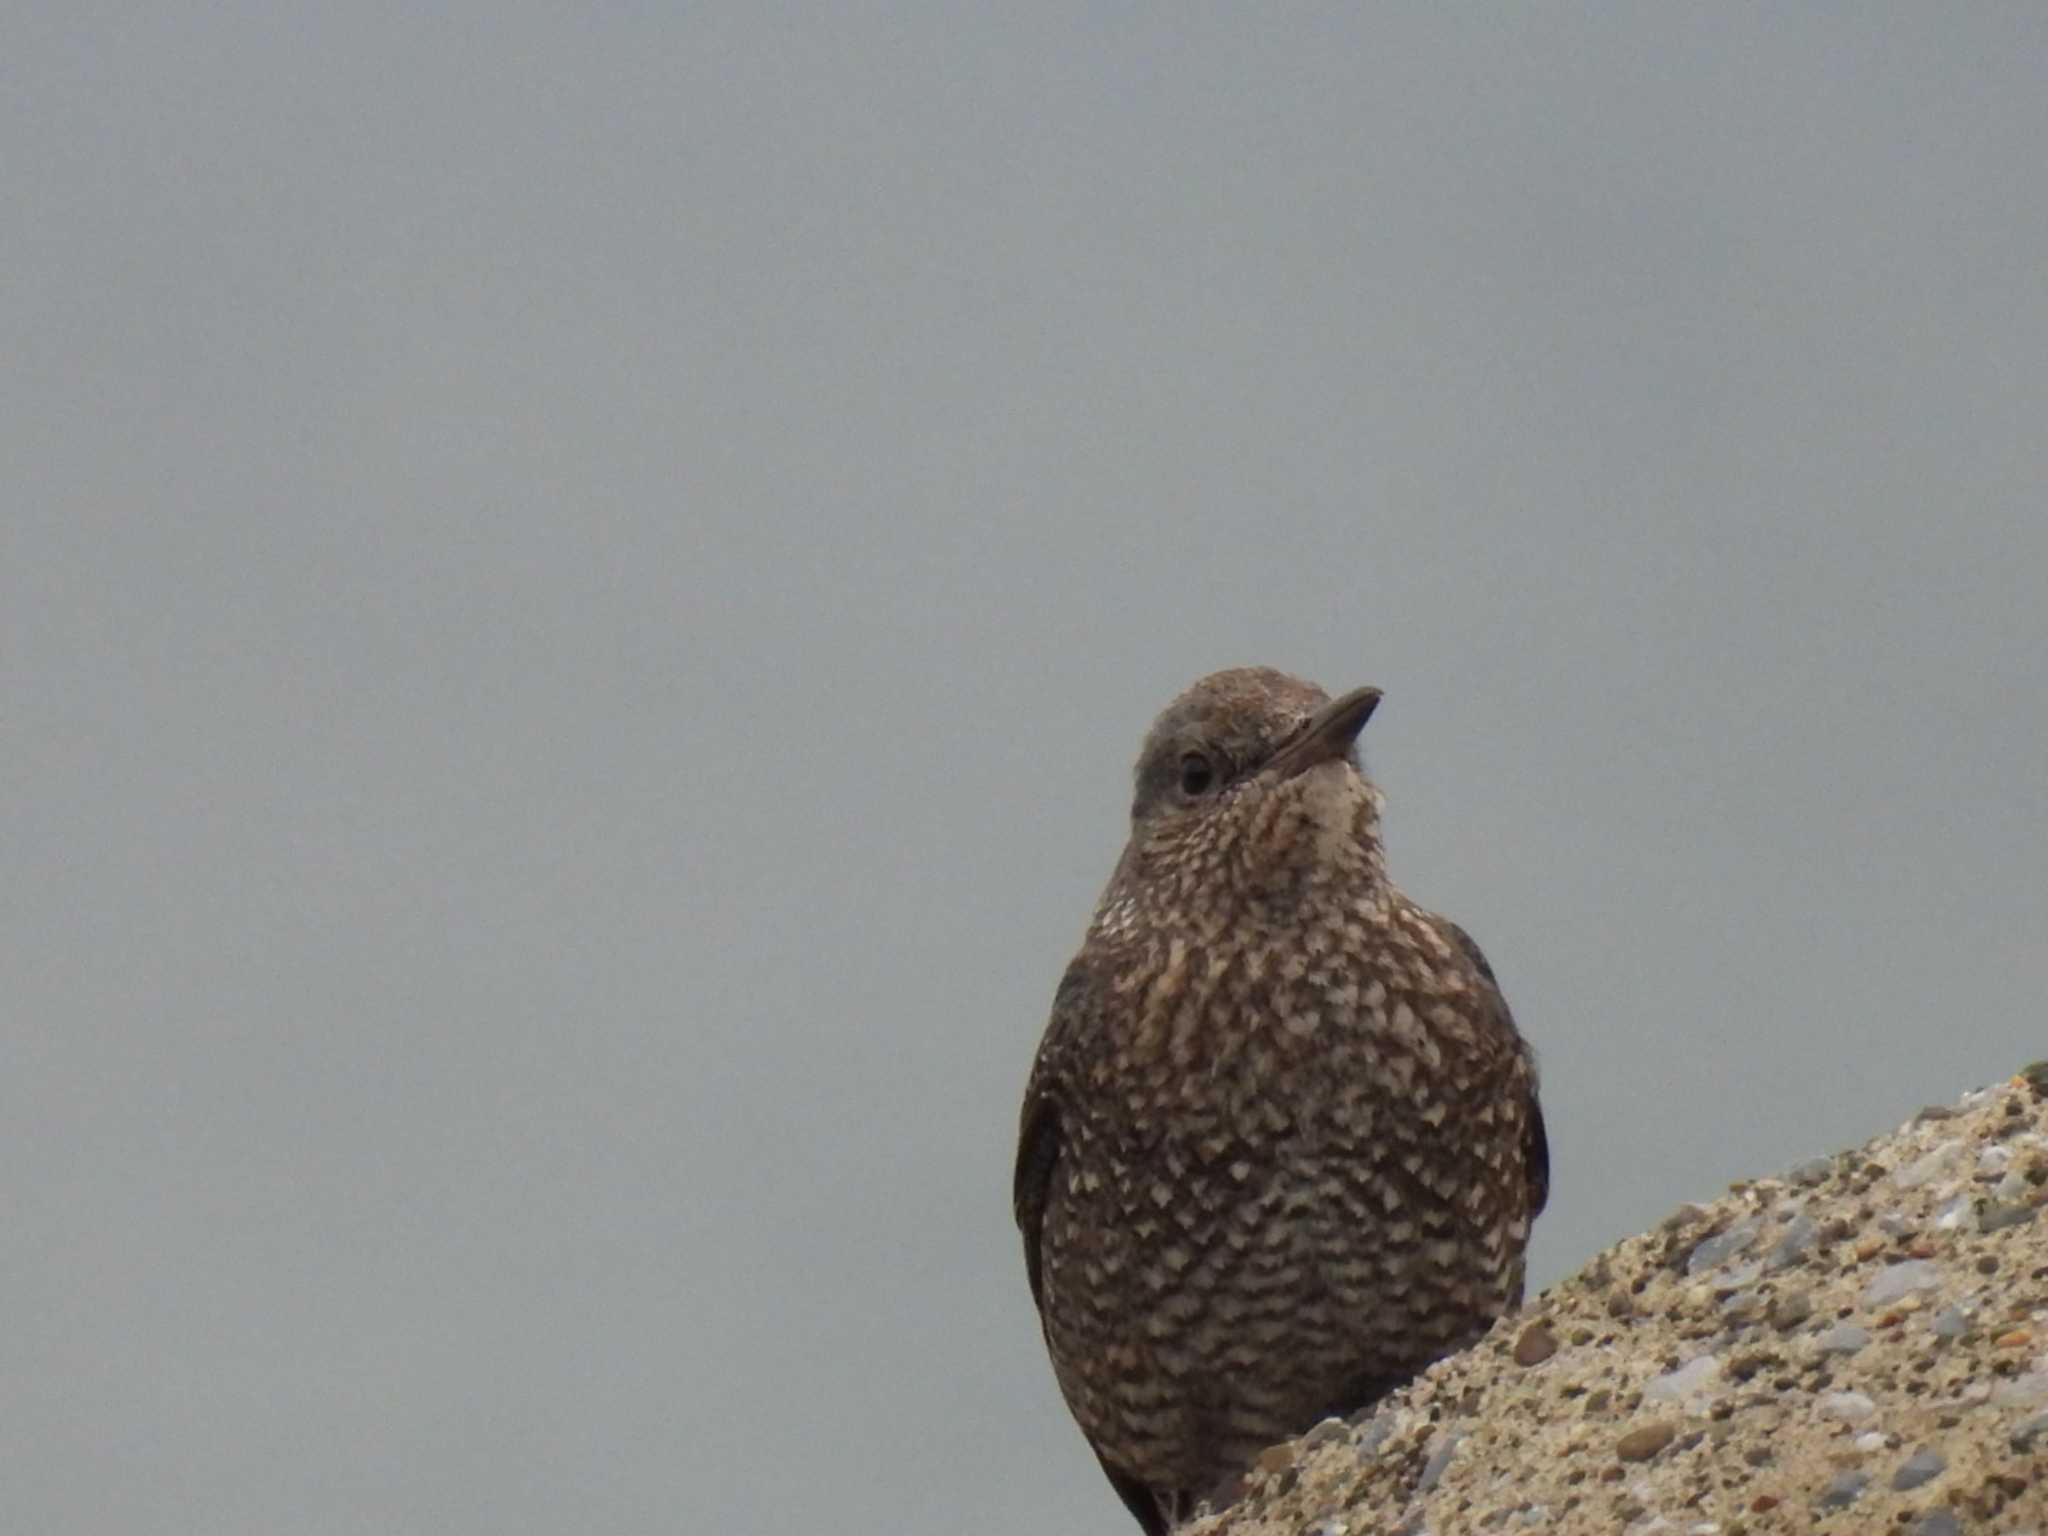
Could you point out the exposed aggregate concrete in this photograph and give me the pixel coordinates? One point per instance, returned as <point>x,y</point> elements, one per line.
<point>1858,1346</point>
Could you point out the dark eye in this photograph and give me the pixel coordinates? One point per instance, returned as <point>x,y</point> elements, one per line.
<point>1196,775</point>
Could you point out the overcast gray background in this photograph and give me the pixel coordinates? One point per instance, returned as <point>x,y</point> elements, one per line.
<point>580,588</point>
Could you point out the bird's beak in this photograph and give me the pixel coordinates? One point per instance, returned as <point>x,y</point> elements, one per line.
<point>1328,736</point>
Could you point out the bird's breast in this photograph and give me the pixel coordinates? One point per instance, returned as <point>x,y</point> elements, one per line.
<point>1350,979</point>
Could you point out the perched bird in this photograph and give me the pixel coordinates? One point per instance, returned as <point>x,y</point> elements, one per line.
<point>1281,1146</point>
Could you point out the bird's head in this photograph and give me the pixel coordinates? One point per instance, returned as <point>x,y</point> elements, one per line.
<point>1251,769</point>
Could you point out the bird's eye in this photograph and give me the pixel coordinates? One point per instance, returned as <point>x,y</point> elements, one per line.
<point>1196,775</point>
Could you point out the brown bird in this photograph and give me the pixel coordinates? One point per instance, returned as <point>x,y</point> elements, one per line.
<point>1281,1147</point>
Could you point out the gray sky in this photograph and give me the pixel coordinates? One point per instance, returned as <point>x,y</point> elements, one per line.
<point>579,589</point>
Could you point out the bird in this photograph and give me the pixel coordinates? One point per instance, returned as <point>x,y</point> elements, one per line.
<point>1281,1145</point>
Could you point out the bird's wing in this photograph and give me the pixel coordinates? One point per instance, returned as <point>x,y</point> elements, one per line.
<point>1038,1157</point>
<point>1535,1140</point>
<point>1536,1155</point>
<point>1038,1137</point>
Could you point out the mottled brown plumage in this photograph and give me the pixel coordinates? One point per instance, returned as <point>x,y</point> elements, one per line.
<point>1281,1146</point>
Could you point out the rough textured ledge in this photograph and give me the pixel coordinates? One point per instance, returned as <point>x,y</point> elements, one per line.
<point>1858,1346</point>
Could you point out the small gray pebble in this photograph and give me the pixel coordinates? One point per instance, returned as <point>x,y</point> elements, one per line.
<point>1894,1225</point>
<point>1926,1169</point>
<point>1439,1459</point>
<point>2029,1389</point>
<point>1849,1407</point>
<point>1694,1378</point>
<point>1721,1247</point>
<point>1374,1435</point>
<point>1937,1522</point>
<point>1843,1339</point>
<point>1814,1170</point>
<point>1996,1218</point>
<point>1923,1466</point>
<point>1743,1305</point>
<point>1788,1312</point>
<point>1791,1248</point>
<point>1324,1433</point>
<point>1844,1490</point>
<point>1950,1323</point>
<point>1903,1279</point>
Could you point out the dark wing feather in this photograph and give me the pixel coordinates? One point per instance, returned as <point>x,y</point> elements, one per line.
<point>1536,1141</point>
<point>1038,1153</point>
<point>1038,1138</point>
<point>1536,1157</point>
<point>1038,1158</point>
<point>1138,1499</point>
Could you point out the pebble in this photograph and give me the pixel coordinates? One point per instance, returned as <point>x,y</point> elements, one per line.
<point>2011,1189</point>
<point>1896,1280</point>
<point>1938,1522</point>
<point>1374,1435</point>
<point>1814,1170</point>
<point>1996,1218</point>
<point>1740,1275</point>
<point>1870,1442</point>
<point>1923,1466</point>
<point>2021,1391</point>
<point>1792,1246</point>
<point>1788,1312</point>
<point>1951,1323</point>
<point>1929,1168</point>
<point>1439,1459</point>
<point>1536,1345</point>
<point>1743,1305</point>
<point>1324,1433</point>
<point>1850,1407</point>
<point>1695,1378</point>
<point>1952,1215</point>
<point>1641,1444</point>
<point>1843,1339</point>
<point>1844,1490</point>
<point>1721,1247</point>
